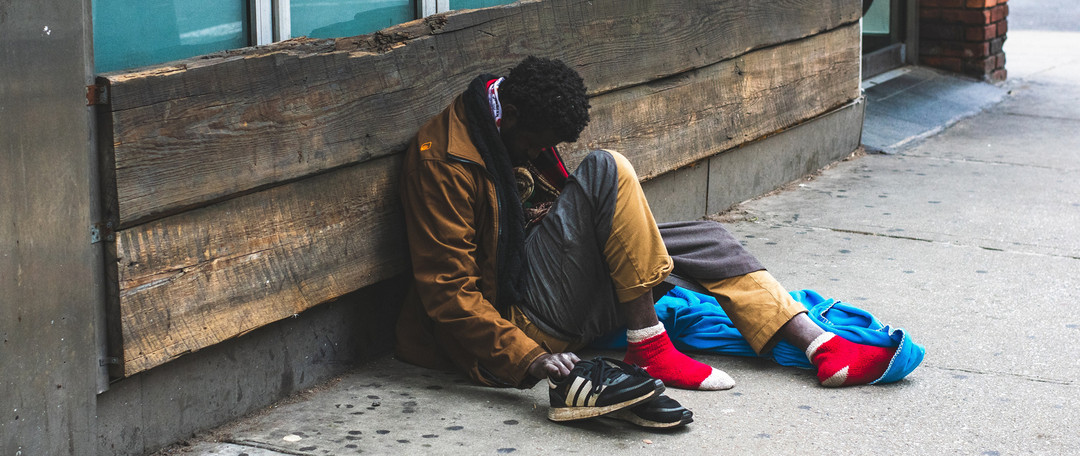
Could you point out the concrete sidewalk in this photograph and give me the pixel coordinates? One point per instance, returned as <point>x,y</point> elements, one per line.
<point>968,239</point>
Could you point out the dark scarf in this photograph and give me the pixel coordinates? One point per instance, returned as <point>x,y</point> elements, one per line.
<point>510,255</point>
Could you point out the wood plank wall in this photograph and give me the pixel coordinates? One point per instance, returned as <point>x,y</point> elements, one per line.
<point>250,187</point>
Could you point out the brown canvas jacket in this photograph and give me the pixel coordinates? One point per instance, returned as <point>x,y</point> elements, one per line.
<point>449,317</point>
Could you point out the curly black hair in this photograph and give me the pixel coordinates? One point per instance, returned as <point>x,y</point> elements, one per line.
<point>546,92</point>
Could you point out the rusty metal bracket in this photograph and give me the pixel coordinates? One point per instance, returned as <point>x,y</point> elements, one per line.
<point>102,231</point>
<point>97,94</point>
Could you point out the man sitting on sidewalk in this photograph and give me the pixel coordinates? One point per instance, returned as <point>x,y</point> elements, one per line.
<point>517,263</point>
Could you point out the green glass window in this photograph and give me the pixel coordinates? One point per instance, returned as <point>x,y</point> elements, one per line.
<point>876,20</point>
<point>337,18</point>
<point>470,4</point>
<point>134,33</point>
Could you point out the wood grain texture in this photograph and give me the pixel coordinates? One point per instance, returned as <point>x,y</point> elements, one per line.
<point>202,130</point>
<point>195,279</point>
<point>673,122</point>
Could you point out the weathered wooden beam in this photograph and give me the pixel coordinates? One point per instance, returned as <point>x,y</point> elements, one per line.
<point>206,129</point>
<point>196,278</point>
<point>676,121</point>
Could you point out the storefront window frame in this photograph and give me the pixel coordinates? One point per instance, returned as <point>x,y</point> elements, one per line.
<point>270,21</point>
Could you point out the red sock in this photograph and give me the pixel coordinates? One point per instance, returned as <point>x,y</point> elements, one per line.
<point>660,359</point>
<point>841,362</point>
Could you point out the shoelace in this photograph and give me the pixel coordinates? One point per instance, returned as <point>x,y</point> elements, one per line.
<point>635,369</point>
<point>600,371</point>
<point>629,369</point>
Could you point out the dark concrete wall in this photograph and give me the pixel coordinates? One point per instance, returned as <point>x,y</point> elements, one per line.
<point>717,183</point>
<point>49,293</point>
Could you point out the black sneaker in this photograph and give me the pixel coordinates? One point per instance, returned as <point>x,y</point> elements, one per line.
<point>660,413</point>
<point>596,387</point>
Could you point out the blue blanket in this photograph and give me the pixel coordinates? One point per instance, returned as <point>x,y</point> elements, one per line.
<point>696,322</point>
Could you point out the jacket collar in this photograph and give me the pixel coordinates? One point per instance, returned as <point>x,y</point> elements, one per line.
<point>459,144</point>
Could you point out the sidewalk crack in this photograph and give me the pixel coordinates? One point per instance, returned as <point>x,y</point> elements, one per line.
<point>1032,378</point>
<point>1038,116</point>
<point>952,242</point>
<point>986,162</point>
<point>871,233</point>
<point>264,446</point>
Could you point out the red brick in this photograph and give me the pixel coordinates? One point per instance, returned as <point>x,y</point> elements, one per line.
<point>934,49</point>
<point>940,31</point>
<point>929,13</point>
<point>996,44</point>
<point>955,49</point>
<point>999,75</point>
<point>1000,60</point>
<point>980,67</point>
<point>967,16</point>
<point>976,49</point>
<point>984,33</point>
<point>1002,28</point>
<point>981,3</point>
<point>931,47</point>
<point>999,12</point>
<point>946,63</point>
<point>941,3</point>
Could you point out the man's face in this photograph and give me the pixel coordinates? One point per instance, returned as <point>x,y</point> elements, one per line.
<point>525,144</point>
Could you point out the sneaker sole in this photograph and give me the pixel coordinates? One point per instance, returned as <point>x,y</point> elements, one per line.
<point>627,415</point>
<point>580,413</point>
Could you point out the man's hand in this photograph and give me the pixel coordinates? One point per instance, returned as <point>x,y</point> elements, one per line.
<point>554,365</point>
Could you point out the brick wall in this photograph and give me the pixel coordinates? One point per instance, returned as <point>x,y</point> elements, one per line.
<point>964,36</point>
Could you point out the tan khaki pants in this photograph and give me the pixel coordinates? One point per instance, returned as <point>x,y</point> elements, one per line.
<point>600,246</point>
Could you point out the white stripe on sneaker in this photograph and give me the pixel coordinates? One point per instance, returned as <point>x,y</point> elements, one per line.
<point>574,391</point>
<point>591,401</point>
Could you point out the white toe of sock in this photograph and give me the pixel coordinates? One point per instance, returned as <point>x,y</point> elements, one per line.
<point>837,379</point>
<point>717,380</point>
